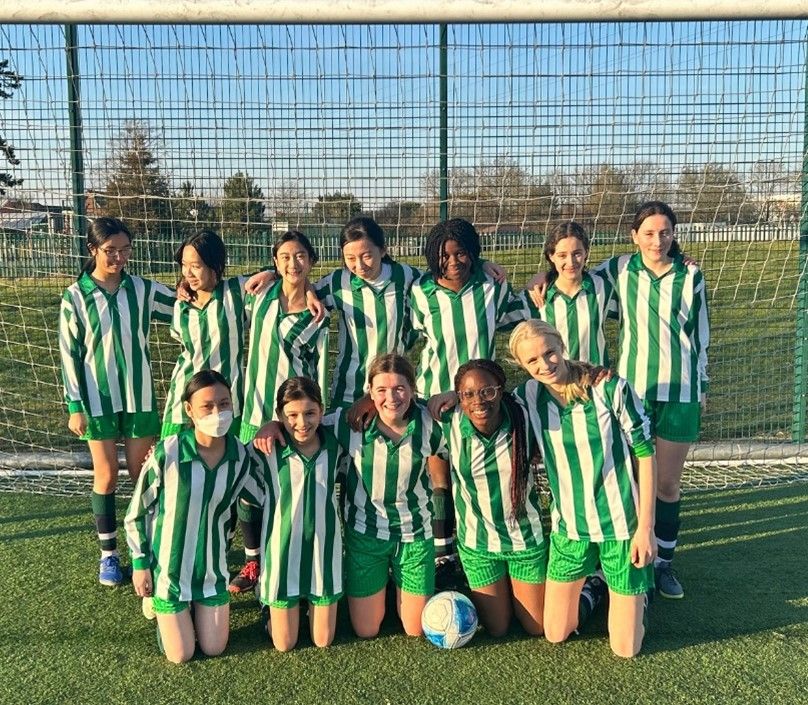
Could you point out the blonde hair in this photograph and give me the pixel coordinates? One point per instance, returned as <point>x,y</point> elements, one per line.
<point>579,374</point>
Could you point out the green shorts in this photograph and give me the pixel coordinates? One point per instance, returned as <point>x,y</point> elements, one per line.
<point>172,429</point>
<point>369,560</point>
<point>571,560</point>
<point>675,421</point>
<point>485,568</point>
<point>140,424</point>
<point>290,602</point>
<point>176,606</point>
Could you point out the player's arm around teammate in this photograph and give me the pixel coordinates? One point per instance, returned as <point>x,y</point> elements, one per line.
<point>104,324</point>
<point>178,519</point>
<point>387,501</point>
<point>588,435</point>
<point>496,501</point>
<point>302,549</point>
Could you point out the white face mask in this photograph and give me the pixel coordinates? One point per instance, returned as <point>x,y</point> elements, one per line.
<point>215,424</point>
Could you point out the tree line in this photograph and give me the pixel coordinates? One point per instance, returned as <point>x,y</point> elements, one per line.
<point>497,194</point>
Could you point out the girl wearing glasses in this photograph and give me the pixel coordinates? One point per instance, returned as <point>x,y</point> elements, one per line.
<point>499,532</point>
<point>104,323</point>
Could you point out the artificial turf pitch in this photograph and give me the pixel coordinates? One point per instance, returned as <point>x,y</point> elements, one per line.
<point>739,636</point>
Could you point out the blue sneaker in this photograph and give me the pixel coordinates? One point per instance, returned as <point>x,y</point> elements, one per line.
<point>109,571</point>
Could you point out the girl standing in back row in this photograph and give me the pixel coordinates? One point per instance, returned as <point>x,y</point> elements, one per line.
<point>104,325</point>
<point>664,335</point>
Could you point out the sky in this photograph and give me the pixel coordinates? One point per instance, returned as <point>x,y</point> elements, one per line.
<point>356,108</point>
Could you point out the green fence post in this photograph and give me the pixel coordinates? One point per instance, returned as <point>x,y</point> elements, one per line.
<point>76,150</point>
<point>443,166</point>
<point>798,424</point>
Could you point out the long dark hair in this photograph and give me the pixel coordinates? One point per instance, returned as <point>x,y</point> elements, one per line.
<point>99,231</point>
<point>364,228</point>
<point>210,248</point>
<point>561,232</point>
<point>520,463</point>
<point>456,229</point>
<point>649,208</point>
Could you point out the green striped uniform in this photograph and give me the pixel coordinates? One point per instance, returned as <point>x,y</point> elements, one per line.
<point>586,449</point>
<point>388,493</point>
<point>459,326</point>
<point>212,337</point>
<point>481,488</point>
<point>104,344</point>
<point>580,318</point>
<point>374,321</point>
<point>178,518</point>
<point>282,345</point>
<point>664,328</point>
<point>301,540</point>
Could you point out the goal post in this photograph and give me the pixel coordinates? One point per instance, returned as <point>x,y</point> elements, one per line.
<point>515,125</point>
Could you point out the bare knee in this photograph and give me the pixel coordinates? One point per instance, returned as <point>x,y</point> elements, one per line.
<point>180,654</point>
<point>412,627</point>
<point>213,647</point>
<point>625,647</point>
<point>322,640</point>
<point>366,629</point>
<point>557,632</point>
<point>284,644</point>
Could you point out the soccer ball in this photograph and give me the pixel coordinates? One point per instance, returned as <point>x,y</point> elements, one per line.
<point>449,620</point>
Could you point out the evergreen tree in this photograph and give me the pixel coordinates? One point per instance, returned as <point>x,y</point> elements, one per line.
<point>10,80</point>
<point>242,209</point>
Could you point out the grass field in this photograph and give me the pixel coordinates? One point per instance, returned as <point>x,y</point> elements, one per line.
<point>739,636</point>
<point>752,298</point>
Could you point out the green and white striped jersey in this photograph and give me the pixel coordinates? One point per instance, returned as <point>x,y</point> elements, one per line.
<point>282,345</point>
<point>301,537</point>
<point>212,337</point>
<point>104,344</point>
<point>481,488</point>
<point>664,328</point>
<point>459,326</point>
<point>388,494</point>
<point>374,321</point>
<point>178,518</point>
<point>581,318</point>
<point>586,451</point>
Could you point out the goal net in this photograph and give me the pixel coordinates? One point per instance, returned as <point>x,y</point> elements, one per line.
<point>254,129</point>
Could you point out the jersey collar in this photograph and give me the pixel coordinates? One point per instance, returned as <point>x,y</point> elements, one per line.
<point>467,429</point>
<point>189,451</point>
<point>430,284</point>
<point>587,289</point>
<point>635,264</point>
<point>373,431</point>
<point>87,285</point>
<point>357,283</point>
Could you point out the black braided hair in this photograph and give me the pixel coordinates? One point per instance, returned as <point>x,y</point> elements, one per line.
<point>455,229</point>
<point>520,463</point>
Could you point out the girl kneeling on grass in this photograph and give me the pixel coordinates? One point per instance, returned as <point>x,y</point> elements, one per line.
<point>588,435</point>
<point>496,501</point>
<point>301,538</point>
<point>177,521</point>
<point>388,500</point>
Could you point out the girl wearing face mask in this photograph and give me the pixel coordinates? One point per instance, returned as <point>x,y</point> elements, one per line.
<point>178,518</point>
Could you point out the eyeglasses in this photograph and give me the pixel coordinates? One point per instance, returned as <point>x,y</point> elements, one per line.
<point>112,252</point>
<point>484,393</point>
